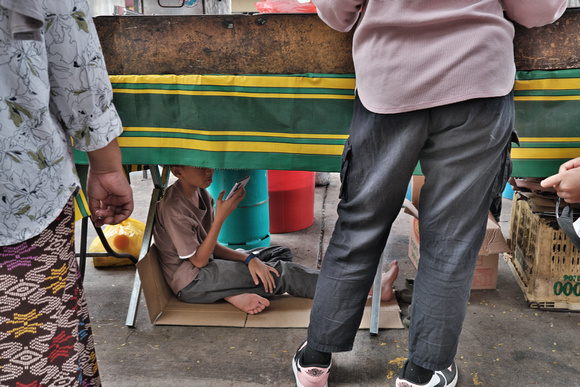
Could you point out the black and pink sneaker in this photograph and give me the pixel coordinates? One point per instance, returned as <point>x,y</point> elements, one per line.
<point>312,375</point>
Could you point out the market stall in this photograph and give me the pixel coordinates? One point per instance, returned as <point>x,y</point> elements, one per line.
<point>279,77</point>
<point>275,91</point>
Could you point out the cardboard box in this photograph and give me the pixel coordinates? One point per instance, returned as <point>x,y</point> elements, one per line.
<point>487,262</point>
<point>544,261</point>
<point>416,183</point>
<point>284,311</point>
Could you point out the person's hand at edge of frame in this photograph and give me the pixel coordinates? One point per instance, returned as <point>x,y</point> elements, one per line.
<point>566,182</point>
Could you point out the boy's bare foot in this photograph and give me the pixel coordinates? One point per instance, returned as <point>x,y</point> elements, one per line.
<point>387,281</point>
<point>248,302</point>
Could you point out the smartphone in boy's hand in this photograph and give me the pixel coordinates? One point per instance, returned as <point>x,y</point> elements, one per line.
<point>238,186</point>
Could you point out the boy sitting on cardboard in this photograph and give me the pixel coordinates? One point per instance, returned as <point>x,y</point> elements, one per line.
<point>200,270</point>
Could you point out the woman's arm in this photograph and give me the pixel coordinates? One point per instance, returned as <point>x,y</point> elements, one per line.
<point>535,13</point>
<point>341,15</point>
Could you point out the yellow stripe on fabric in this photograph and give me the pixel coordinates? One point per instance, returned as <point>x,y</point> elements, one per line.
<point>545,153</point>
<point>230,146</point>
<point>548,98</point>
<point>240,134</point>
<point>234,94</point>
<point>549,139</point>
<point>81,206</point>
<point>239,80</point>
<point>78,213</point>
<point>548,84</point>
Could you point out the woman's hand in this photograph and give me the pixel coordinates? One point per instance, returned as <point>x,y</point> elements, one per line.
<point>109,194</point>
<point>110,197</point>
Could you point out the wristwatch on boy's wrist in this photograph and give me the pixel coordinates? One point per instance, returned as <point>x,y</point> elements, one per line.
<point>249,258</point>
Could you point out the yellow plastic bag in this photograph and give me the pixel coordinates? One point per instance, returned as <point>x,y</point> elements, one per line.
<point>125,237</point>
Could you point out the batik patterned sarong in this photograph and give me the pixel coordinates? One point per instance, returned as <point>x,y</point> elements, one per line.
<point>45,332</point>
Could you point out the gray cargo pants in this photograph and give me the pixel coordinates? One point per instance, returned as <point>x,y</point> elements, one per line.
<point>464,150</point>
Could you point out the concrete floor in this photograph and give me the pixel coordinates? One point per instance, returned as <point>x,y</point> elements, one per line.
<point>504,342</point>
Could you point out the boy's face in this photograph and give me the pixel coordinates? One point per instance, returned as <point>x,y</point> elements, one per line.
<point>194,176</point>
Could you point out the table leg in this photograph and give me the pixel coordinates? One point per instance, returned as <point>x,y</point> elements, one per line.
<point>376,300</point>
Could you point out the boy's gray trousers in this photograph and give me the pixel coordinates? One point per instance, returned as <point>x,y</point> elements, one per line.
<point>463,149</point>
<point>221,278</point>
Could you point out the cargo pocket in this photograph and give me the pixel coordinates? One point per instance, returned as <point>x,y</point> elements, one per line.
<point>346,155</point>
<point>505,170</point>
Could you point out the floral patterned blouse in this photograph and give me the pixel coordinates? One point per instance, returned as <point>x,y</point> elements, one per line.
<point>51,91</point>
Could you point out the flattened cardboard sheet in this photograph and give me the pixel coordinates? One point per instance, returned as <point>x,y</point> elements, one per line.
<point>284,311</point>
<point>294,312</point>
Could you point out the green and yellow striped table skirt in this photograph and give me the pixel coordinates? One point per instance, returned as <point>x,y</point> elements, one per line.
<point>300,122</point>
<point>235,122</point>
<point>547,120</point>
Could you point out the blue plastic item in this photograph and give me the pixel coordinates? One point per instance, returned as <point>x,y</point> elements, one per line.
<point>248,226</point>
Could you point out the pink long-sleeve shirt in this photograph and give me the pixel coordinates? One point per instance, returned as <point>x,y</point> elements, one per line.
<point>417,54</point>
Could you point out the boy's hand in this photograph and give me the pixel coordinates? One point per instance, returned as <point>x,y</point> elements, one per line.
<point>223,208</point>
<point>260,271</point>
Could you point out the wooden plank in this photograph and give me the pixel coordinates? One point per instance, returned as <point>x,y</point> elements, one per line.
<point>223,44</point>
<point>552,47</point>
<point>281,44</point>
